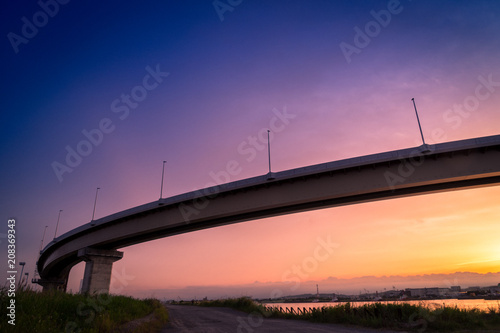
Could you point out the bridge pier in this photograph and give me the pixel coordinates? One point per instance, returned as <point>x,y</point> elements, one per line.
<point>51,284</point>
<point>99,263</point>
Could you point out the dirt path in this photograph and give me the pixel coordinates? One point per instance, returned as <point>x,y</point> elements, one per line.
<point>185,318</point>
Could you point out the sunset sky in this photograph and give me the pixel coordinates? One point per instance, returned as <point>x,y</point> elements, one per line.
<point>194,82</point>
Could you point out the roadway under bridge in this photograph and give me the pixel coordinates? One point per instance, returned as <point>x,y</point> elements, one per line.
<point>426,169</point>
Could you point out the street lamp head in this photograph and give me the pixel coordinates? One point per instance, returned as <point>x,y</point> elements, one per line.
<point>22,263</point>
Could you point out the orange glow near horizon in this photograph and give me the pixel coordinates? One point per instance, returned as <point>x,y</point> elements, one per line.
<point>429,234</point>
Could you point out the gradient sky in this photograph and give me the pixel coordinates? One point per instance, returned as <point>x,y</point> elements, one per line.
<point>228,69</point>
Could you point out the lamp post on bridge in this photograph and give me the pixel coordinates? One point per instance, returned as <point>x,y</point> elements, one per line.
<point>418,120</point>
<point>162,174</point>
<point>57,225</point>
<point>43,237</point>
<point>22,263</point>
<point>270,174</point>
<point>35,273</point>
<point>95,202</point>
<point>269,150</point>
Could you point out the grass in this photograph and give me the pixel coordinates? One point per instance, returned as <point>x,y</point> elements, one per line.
<point>401,316</point>
<point>244,304</point>
<point>56,311</point>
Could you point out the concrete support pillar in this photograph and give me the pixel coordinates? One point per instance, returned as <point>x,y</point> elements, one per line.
<point>51,284</point>
<point>98,269</point>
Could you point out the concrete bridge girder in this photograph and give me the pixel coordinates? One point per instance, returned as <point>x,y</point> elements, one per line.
<point>445,167</point>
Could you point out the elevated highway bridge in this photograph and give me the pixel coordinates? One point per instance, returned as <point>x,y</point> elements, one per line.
<point>426,169</point>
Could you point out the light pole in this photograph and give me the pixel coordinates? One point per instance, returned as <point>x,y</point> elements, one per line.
<point>22,263</point>
<point>162,174</point>
<point>43,237</point>
<point>95,202</point>
<point>270,174</point>
<point>418,120</point>
<point>57,225</point>
<point>27,278</point>
<point>269,150</point>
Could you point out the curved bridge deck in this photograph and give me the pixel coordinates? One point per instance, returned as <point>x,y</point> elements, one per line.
<point>425,169</point>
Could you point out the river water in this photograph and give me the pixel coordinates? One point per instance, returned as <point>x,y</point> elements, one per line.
<point>479,304</point>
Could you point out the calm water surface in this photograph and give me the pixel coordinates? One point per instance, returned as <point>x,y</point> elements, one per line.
<point>480,304</point>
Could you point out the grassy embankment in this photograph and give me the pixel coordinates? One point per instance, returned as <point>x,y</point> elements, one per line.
<point>61,312</point>
<point>400,316</point>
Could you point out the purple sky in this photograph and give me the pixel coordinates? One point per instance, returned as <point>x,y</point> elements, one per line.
<point>231,70</point>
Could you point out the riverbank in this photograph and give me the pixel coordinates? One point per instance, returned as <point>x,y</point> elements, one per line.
<point>377,315</point>
<point>61,312</point>
<point>480,304</point>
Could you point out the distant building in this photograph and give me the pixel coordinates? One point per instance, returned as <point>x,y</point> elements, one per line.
<point>392,293</point>
<point>494,289</point>
<point>302,296</point>
<point>427,292</point>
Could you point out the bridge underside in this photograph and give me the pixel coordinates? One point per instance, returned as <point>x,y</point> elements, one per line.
<point>418,171</point>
